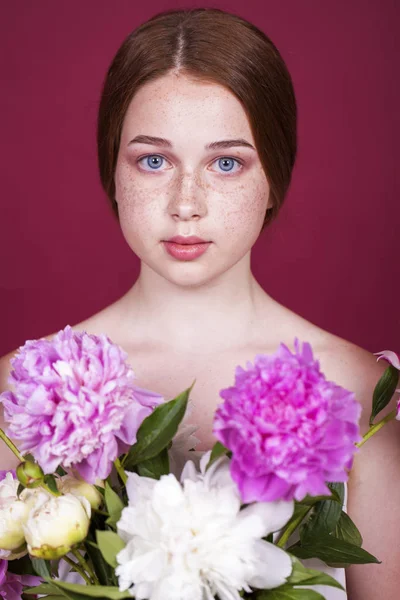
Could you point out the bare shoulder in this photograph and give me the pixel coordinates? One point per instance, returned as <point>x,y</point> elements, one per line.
<point>355,369</point>
<point>341,361</point>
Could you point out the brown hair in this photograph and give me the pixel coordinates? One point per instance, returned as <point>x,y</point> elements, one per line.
<point>213,45</point>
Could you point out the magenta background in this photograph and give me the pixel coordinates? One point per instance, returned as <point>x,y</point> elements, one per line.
<point>332,254</point>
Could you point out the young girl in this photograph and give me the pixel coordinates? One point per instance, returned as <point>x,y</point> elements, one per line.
<point>196,145</point>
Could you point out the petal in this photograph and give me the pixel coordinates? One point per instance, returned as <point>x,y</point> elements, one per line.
<point>139,489</point>
<point>189,471</point>
<point>315,486</point>
<point>273,566</point>
<point>272,515</point>
<point>267,488</point>
<point>389,356</point>
<point>133,418</point>
<point>205,459</point>
<point>168,496</point>
<point>225,591</point>
<point>147,397</point>
<point>219,474</point>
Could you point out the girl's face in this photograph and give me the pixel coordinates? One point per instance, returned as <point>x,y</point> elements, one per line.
<point>202,177</point>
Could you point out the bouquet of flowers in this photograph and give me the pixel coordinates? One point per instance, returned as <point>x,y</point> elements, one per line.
<point>93,511</point>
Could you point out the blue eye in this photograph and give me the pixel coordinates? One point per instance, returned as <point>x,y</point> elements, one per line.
<point>226,163</point>
<point>153,161</point>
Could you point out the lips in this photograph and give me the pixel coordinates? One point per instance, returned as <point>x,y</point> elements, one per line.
<point>185,240</point>
<point>186,248</point>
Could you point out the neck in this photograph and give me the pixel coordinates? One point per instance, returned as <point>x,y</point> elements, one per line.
<point>223,312</point>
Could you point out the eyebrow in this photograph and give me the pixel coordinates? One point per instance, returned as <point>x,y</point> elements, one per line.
<point>221,144</point>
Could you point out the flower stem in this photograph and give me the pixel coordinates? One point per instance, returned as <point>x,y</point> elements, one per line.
<point>120,470</point>
<point>85,565</point>
<point>374,428</point>
<point>12,446</point>
<point>78,569</point>
<point>292,526</point>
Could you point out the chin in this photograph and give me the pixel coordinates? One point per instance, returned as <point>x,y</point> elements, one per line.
<point>188,280</point>
<point>187,274</point>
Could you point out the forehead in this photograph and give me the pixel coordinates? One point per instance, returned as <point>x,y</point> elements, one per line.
<point>175,105</point>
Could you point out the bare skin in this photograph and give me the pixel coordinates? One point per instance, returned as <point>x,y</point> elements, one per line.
<point>186,320</point>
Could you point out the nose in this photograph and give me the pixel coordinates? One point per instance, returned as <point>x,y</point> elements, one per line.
<point>188,200</point>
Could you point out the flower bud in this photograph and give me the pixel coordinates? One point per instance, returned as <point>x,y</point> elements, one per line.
<point>13,514</point>
<point>68,484</point>
<point>30,474</point>
<point>14,554</point>
<point>57,524</point>
<point>33,498</point>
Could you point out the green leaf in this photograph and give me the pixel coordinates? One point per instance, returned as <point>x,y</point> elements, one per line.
<point>217,451</point>
<point>104,573</point>
<point>325,517</point>
<point>77,591</point>
<point>110,544</point>
<point>155,467</point>
<point>43,588</point>
<point>50,481</point>
<point>333,551</point>
<point>289,593</point>
<point>41,567</point>
<point>384,391</point>
<point>99,489</point>
<point>29,457</point>
<point>347,531</point>
<point>114,505</point>
<point>303,576</point>
<point>157,430</point>
<point>71,595</point>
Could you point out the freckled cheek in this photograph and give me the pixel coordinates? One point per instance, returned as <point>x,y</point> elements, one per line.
<point>245,210</point>
<point>137,213</point>
<point>137,207</point>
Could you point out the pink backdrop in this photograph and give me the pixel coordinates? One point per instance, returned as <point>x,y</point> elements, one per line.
<point>330,256</point>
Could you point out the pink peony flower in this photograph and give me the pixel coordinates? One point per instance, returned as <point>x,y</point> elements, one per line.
<point>394,360</point>
<point>74,402</point>
<point>289,429</point>
<point>390,356</point>
<point>11,585</point>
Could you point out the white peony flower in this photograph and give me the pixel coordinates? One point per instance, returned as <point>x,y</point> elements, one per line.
<point>193,540</point>
<point>68,484</point>
<point>13,513</point>
<point>55,524</point>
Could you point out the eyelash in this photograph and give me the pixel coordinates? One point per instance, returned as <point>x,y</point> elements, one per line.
<point>228,173</point>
